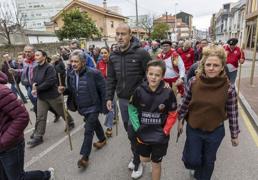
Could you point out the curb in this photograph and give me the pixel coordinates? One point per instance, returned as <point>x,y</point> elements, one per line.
<point>249,111</point>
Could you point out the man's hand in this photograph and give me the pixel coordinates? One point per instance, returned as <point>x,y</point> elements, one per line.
<point>234,142</point>
<point>180,126</point>
<point>61,89</point>
<point>241,61</point>
<point>11,70</point>
<point>167,85</point>
<point>179,81</point>
<point>109,105</point>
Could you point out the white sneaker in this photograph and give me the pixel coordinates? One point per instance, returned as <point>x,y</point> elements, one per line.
<point>137,174</point>
<point>52,173</point>
<point>131,165</point>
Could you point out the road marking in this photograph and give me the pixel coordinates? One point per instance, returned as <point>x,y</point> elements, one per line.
<point>31,129</point>
<point>249,126</point>
<point>53,146</point>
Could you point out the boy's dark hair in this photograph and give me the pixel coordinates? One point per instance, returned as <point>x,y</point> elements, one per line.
<point>158,63</point>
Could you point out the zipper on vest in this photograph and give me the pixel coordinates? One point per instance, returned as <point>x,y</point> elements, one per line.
<point>123,71</point>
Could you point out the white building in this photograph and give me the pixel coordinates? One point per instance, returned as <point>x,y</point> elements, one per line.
<point>36,12</point>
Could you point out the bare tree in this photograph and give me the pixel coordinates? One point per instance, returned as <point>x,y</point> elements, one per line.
<point>11,21</point>
<point>147,24</point>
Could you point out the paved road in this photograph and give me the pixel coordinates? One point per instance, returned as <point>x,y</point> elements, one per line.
<point>110,163</point>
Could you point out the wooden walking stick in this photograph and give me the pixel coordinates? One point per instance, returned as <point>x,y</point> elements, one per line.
<point>117,119</point>
<point>65,116</point>
<point>16,85</point>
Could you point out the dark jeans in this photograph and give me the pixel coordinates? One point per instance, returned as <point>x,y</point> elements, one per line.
<point>200,150</point>
<point>92,125</point>
<point>11,166</point>
<point>123,104</point>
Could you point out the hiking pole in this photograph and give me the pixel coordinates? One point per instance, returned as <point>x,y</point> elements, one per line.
<point>239,80</point>
<point>16,85</point>
<point>117,119</point>
<point>179,133</point>
<point>65,115</point>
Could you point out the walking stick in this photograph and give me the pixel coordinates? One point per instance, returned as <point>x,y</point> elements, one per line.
<point>117,119</point>
<point>179,133</point>
<point>16,85</point>
<point>65,116</point>
<point>239,76</point>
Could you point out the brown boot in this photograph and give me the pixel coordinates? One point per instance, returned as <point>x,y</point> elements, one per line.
<point>100,144</point>
<point>83,162</point>
<point>109,132</point>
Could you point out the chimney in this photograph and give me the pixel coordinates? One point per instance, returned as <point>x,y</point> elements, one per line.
<point>105,4</point>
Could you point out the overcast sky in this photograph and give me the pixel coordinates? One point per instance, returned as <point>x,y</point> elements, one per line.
<point>201,10</point>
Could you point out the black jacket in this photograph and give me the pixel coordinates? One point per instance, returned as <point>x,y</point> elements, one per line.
<point>153,108</point>
<point>126,70</point>
<point>45,77</point>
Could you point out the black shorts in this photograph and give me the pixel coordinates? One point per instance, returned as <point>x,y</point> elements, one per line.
<point>154,151</point>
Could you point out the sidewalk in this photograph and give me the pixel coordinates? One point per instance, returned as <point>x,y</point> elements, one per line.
<point>249,98</point>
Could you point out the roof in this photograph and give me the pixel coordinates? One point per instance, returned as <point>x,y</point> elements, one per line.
<point>91,7</point>
<point>182,12</point>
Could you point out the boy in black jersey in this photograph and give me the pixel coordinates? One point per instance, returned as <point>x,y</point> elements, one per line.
<point>152,112</point>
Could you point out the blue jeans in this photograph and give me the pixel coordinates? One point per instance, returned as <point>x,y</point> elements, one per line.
<point>11,166</point>
<point>92,125</point>
<point>111,115</point>
<point>232,76</point>
<point>200,150</point>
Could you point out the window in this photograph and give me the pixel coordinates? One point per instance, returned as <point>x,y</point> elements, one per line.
<point>112,24</point>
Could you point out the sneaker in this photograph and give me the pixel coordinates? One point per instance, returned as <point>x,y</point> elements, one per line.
<point>100,144</point>
<point>57,117</point>
<point>52,173</point>
<point>35,141</point>
<point>83,162</point>
<point>32,135</point>
<point>137,174</point>
<point>131,165</point>
<point>109,132</point>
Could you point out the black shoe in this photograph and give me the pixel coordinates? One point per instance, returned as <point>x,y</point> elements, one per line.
<point>35,141</point>
<point>32,136</point>
<point>71,126</point>
<point>57,117</point>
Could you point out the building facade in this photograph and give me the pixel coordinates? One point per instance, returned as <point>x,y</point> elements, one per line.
<point>251,22</point>
<point>36,12</point>
<point>178,28</point>
<point>105,20</point>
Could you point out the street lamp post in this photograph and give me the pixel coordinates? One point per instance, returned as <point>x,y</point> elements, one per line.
<point>175,22</point>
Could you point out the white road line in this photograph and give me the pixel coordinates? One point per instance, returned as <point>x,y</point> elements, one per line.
<point>45,152</point>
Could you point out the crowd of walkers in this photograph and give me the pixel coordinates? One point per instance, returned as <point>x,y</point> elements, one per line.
<point>146,79</point>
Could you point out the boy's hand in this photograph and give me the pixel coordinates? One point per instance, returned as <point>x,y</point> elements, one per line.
<point>109,105</point>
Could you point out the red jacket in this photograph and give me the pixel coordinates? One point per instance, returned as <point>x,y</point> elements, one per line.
<point>187,56</point>
<point>234,55</point>
<point>13,117</point>
<point>102,66</point>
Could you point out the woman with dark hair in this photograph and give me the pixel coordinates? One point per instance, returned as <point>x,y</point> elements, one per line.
<point>45,88</point>
<point>102,66</point>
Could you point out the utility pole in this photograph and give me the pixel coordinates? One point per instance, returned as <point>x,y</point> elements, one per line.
<point>137,20</point>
